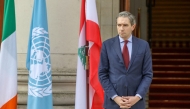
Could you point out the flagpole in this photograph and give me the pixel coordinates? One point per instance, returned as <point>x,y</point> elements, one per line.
<point>1,18</point>
<point>87,74</point>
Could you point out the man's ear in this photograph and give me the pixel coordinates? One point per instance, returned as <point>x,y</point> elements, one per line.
<point>133,26</point>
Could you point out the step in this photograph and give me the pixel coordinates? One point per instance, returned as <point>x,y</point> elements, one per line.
<point>56,71</point>
<point>56,87</point>
<point>170,44</point>
<point>169,103</point>
<point>63,88</point>
<point>56,77</point>
<point>171,20</point>
<point>169,96</point>
<point>172,35</point>
<point>165,108</point>
<point>164,7</point>
<point>165,74</point>
<point>170,50</point>
<point>169,4</point>
<point>175,34</point>
<point>58,99</point>
<point>169,25</point>
<point>160,88</point>
<point>63,93</point>
<point>170,11</point>
<point>181,30</point>
<point>171,67</point>
<point>171,80</point>
<point>168,17</point>
<point>54,107</point>
<point>172,3</point>
<point>171,61</point>
<point>167,40</point>
<point>170,55</point>
<point>160,15</point>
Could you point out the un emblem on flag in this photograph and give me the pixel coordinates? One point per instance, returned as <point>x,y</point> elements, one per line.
<point>40,81</point>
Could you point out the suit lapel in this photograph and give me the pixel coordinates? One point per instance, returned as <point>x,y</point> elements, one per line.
<point>135,47</point>
<point>117,48</point>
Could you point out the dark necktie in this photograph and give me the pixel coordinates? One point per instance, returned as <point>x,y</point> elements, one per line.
<point>126,54</point>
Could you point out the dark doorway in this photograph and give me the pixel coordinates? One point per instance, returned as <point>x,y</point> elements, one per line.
<point>124,5</point>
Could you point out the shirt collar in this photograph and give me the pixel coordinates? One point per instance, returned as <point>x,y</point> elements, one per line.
<point>121,39</point>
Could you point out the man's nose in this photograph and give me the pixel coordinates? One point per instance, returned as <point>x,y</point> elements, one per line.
<point>122,27</point>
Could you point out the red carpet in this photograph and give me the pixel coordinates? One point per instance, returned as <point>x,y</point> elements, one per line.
<point>170,88</point>
<point>170,44</point>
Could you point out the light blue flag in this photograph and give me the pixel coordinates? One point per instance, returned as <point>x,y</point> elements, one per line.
<point>38,60</point>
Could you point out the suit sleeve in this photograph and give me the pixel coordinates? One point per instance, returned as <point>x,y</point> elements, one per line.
<point>104,73</point>
<point>147,73</point>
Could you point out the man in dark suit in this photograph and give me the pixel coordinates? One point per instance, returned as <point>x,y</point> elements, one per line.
<point>125,77</point>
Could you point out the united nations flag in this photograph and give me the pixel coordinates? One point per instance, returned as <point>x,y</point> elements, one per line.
<point>38,60</point>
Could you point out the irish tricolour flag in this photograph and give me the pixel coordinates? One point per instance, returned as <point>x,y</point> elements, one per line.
<point>8,59</point>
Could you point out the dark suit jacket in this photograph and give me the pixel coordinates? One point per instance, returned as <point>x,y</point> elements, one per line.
<point>117,79</point>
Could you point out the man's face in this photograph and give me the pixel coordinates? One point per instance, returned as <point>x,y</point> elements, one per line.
<point>124,27</point>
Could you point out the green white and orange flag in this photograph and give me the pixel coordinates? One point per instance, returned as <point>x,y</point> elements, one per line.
<point>8,59</point>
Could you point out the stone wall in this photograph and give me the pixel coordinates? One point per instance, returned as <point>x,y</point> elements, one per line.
<point>63,24</point>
